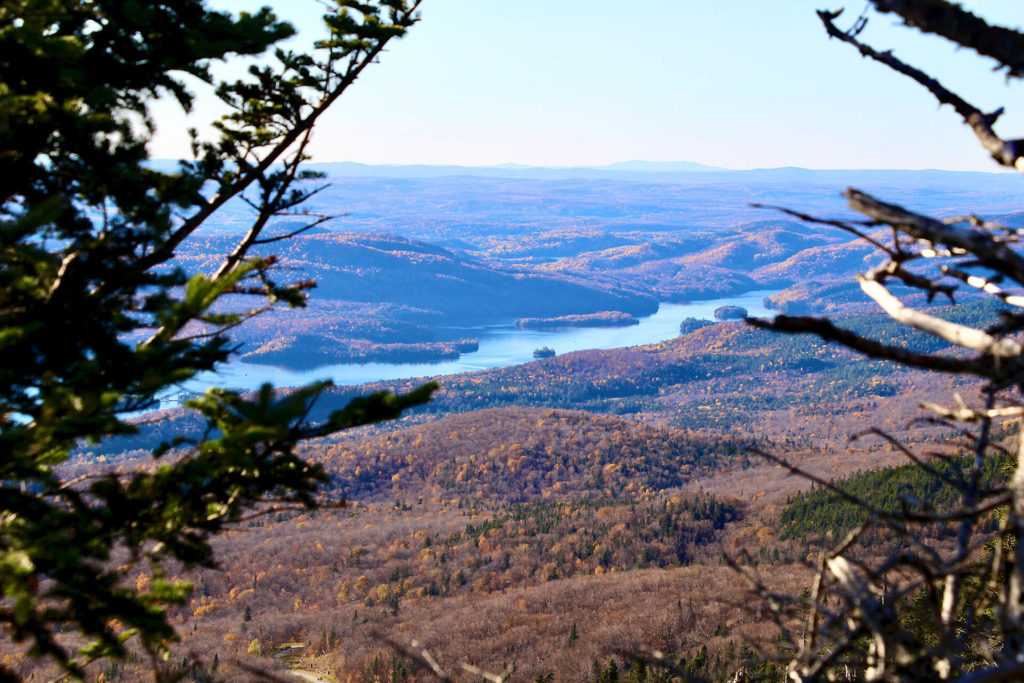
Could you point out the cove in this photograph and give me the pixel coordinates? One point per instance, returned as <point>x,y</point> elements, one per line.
<point>501,344</point>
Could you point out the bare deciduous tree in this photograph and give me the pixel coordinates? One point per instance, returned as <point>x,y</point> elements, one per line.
<point>930,610</point>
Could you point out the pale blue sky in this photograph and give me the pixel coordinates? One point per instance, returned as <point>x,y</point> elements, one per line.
<point>735,83</point>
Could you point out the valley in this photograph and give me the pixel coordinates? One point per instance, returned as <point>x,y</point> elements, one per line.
<point>558,408</point>
<point>560,514</point>
<point>499,344</point>
<point>416,260</point>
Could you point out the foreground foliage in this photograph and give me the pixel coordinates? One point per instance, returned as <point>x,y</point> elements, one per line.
<point>97,321</point>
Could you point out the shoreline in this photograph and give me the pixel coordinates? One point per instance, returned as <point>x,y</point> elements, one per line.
<point>499,346</point>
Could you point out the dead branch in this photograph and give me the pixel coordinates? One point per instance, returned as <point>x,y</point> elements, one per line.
<point>961,335</point>
<point>1007,152</point>
<point>824,328</point>
<point>961,27</point>
<point>992,253</point>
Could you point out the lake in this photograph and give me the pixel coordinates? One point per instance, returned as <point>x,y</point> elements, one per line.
<point>501,344</point>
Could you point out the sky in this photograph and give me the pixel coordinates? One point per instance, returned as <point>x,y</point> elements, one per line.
<point>732,83</point>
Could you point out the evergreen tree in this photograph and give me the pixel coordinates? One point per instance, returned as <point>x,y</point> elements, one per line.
<point>98,320</point>
<point>610,673</point>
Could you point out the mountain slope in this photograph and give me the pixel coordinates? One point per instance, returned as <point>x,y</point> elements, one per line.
<point>525,454</point>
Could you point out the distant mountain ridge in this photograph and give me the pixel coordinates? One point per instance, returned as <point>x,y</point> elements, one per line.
<point>682,171</point>
<point>664,171</point>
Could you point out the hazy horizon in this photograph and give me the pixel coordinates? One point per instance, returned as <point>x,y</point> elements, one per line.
<point>621,164</point>
<point>743,85</point>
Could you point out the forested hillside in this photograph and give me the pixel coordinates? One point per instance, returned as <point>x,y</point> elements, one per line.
<point>502,493</point>
<point>526,454</point>
<point>432,253</point>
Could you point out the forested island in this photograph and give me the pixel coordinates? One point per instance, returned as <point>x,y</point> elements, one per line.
<point>730,313</point>
<point>305,352</point>
<point>602,319</point>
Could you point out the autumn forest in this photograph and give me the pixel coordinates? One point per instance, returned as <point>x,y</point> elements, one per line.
<point>269,417</point>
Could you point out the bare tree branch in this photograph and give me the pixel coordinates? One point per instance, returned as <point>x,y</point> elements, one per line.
<point>1006,152</point>
<point>826,330</point>
<point>954,23</point>
<point>994,254</point>
<point>985,285</point>
<point>961,335</point>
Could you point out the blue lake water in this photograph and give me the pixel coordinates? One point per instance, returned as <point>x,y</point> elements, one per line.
<point>501,344</point>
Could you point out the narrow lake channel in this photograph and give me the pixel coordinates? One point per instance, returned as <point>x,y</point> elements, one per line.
<point>501,344</point>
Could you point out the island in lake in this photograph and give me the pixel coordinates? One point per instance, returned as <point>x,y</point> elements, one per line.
<point>730,313</point>
<point>302,351</point>
<point>544,352</point>
<point>602,319</point>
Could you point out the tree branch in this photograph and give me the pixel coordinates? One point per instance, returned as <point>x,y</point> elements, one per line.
<point>961,335</point>
<point>826,330</point>
<point>1007,152</point>
<point>994,254</point>
<point>959,26</point>
<point>251,175</point>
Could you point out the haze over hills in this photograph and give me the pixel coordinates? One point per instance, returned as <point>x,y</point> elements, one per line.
<point>417,249</point>
<point>668,171</point>
<point>423,203</point>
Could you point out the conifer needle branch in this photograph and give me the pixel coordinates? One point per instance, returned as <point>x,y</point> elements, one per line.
<point>267,209</point>
<point>405,18</point>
